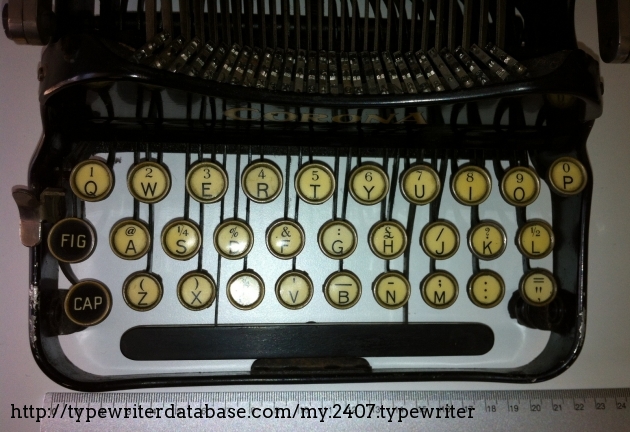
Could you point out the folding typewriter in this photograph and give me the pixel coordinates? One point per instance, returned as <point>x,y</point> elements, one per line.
<point>307,191</point>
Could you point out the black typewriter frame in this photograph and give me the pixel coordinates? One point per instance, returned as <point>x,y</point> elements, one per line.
<point>78,60</point>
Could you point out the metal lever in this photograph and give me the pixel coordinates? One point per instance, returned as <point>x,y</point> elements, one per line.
<point>30,216</point>
<point>613,22</point>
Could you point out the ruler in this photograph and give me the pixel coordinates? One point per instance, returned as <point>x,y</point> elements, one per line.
<point>557,410</point>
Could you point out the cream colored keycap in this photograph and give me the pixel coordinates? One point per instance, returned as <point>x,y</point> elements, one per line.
<point>181,239</point>
<point>142,291</point>
<point>420,184</point>
<point>538,287</point>
<point>368,184</point>
<point>439,289</point>
<point>92,180</point>
<point>487,240</point>
<point>486,289</point>
<point>245,290</point>
<point>262,181</point>
<point>315,183</point>
<point>196,290</point>
<point>233,239</point>
<point>337,239</point>
<point>520,186</point>
<point>568,176</point>
<point>342,289</point>
<point>149,182</point>
<point>535,239</point>
<point>285,239</point>
<point>391,290</point>
<point>294,289</point>
<point>440,239</point>
<point>129,239</point>
<point>471,185</point>
<point>388,239</point>
<point>206,182</point>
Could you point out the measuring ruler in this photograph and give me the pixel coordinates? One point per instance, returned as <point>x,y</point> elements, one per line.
<point>557,410</point>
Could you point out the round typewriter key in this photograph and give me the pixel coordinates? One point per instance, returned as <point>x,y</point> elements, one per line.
<point>149,182</point>
<point>294,289</point>
<point>440,239</point>
<point>439,289</point>
<point>181,239</point>
<point>420,184</point>
<point>142,291</point>
<point>233,239</point>
<point>196,290</point>
<point>337,239</point>
<point>72,240</point>
<point>520,186</point>
<point>262,181</point>
<point>535,239</point>
<point>471,185</point>
<point>285,239</point>
<point>206,182</point>
<point>568,176</point>
<point>342,289</point>
<point>87,302</point>
<point>368,184</point>
<point>486,289</point>
<point>245,290</point>
<point>129,239</point>
<point>487,240</point>
<point>538,287</point>
<point>391,290</point>
<point>315,183</point>
<point>92,180</point>
<point>388,239</point>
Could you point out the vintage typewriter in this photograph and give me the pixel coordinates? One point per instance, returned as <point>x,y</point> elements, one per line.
<point>307,191</point>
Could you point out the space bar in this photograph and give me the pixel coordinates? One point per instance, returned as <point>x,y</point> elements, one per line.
<point>202,342</point>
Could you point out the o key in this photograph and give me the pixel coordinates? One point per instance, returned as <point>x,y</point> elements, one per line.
<point>568,176</point>
<point>92,180</point>
<point>538,287</point>
<point>142,291</point>
<point>196,290</point>
<point>181,239</point>
<point>369,184</point>
<point>315,183</point>
<point>471,185</point>
<point>420,184</point>
<point>206,182</point>
<point>520,186</point>
<point>88,303</point>
<point>149,182</point>
<point>294,289</point>
<point>262,181</point>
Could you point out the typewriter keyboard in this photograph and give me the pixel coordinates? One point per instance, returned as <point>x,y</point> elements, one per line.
<point>213,238</point>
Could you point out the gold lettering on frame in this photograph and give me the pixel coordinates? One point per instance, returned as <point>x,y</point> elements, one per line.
<point>317,118</point>
<point>415,117</point>
<point>373,118</point>
<point>233,114</point>
<point>280,116</point>
<point>346,118</point>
